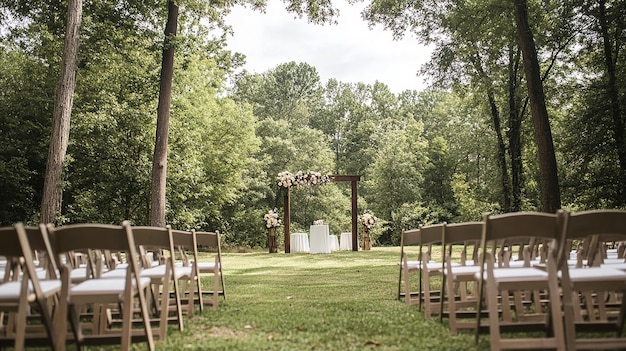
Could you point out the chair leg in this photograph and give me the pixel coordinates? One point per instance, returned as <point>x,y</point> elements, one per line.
<point>216,291</point>
<point>451,306</point>
<point>199,291</point>
<point>494,322</point>
<point>179,307</point>
<point>20,318</point>
<point>145,317</point>
<point>127,314</point>
<point>164,309</point>
<point>400,275</point>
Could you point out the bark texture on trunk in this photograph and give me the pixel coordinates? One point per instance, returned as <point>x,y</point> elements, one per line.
<point>159,162</point>
<point>53,183</point>
<point>550,193</point>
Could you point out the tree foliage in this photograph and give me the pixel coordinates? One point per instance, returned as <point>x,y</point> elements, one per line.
<point>447,153</point>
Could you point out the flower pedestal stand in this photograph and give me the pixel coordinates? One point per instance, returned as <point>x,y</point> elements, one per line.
<point>367,243</point>
<point>271,240</point>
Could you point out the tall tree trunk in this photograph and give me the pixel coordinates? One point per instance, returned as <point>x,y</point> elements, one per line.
<point>550,193</point>
<point>495,116</point>
<point>504,176</point>
<point>618,122</point>
<point>53,183</point>
<point>514,134</point>
<point>159,163</point>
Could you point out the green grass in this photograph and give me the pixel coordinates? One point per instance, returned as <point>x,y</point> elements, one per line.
<point>340,301</point>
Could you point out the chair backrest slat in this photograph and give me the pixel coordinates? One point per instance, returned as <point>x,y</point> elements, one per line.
<point>467,233</point>
<point>76,237</point>
<point>610,224</point>
<point>183,239</point>
<point>521,225</point>
<point>10,242</point>
<point>207,239</point>
<point>410,237</point>
<point>431,234</point>
<point>461,232</point>
<point>594,228</point>
<point>151,236</point>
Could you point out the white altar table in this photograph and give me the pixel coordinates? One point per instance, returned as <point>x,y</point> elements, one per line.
<point>320,240</point>
<point>346,241</point>
<point>334,243</point>
<point>299,242</point>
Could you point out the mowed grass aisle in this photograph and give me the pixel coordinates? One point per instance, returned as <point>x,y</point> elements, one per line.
<point>340,301</point>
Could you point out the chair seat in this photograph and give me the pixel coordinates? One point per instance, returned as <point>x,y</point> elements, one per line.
<point>593,274</point>
<point>102,287</point>
<point>512,275</point>
<point>432,266</point>
<point>78,274</point>
<point>615,260</point>
<point>159,272</point>
<point>412,265</point>
<point>573,262</point>
<point>620,266</point>
<point>206,267</point>
<point>117,273</point>
<point>520,264</point>
<point>183,271</point>
<point>463,271</point>
<point>10,291</point>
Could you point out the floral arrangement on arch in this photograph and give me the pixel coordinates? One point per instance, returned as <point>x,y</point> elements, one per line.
<point>368,220</point>
<point>287,180</point>
<point>271,219</point>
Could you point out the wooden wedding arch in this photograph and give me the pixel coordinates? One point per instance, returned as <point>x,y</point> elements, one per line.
<point>353,179</point>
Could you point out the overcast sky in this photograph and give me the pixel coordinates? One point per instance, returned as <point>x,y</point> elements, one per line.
<point>349,51</point>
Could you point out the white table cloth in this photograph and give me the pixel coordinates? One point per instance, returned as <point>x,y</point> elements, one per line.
<point>320,240</point>
<point>346,241</point>
<point>334,243</point>
<point>299,242</point>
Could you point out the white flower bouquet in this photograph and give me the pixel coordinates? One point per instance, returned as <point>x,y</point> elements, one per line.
<point>271,219</point>
<point>368,220</point>
<point>286,179</point>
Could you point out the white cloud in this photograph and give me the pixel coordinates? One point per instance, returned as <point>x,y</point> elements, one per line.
<point>349,51</point>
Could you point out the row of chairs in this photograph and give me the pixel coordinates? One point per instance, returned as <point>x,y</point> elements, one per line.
<point>531,280</point>
<point>102,284</point>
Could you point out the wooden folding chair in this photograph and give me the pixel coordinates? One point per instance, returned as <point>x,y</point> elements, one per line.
<point>23,290</point>
<point>163,276</point>
<point>594,303</point>
<point>430,267</point>
<point>101,296</point>
<point>460,283</point>
<point>526,311</point>
<point>211,241</point>
<point>409,238</point>
<point>187,268</point>
<point>426,297</point>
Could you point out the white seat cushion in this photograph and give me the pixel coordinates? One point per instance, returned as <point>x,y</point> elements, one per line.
<point>10,291</point>
<point>115,273</point>
<point>110,286</point>
<point>205,267</point>
<point>591,274</point>
<point>620,266</point>
<point>464,271</point>
<point>511,275</point>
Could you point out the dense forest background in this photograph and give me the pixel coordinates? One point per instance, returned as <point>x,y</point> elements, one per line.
<point>449,153</point>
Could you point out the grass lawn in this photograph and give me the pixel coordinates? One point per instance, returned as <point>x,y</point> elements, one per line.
<point>340,301</point>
